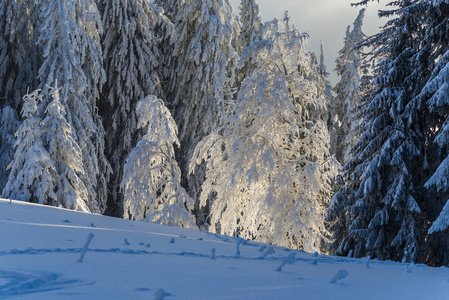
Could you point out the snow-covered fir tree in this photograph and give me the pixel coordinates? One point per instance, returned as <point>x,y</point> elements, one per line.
<point>204,50</point>
<point>31,170</point>
<point>268,168</point>
<point>20,54</point>
<point>64,152</point>
<point>434,96</point>
<point>131,61</point>
<point>325,85</point>
<point>152,179</point>
<point>47,164</point>
<point>251,28</point>
<point>9,124</point>
<point>204,60</point>
<point>322,70</point>
<point>250,33</point>
<point>381,198</point>
<point>348,91</point>
<point>70,36</point>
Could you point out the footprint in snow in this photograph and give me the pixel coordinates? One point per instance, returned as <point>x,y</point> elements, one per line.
<point>17,284</point>
<point>160,294</point>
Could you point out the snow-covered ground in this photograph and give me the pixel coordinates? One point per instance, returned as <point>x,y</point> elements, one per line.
<point>40,247</point>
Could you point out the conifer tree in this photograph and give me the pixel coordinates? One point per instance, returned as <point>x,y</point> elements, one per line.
<point>348,90</point>
<point>20,54</point>
<point>70,35</point>
<point>9,124</point>
<point>382,196</point>
<point>32,171</point>
<point>250,33</point>
<point>322,67</point>
<point>131,62</point>
<point>423,107</point>
<point>434,96</point>
<point>152,179</point>
<point>47,164</point>
<point>204,64</point>
<point>251,28</point>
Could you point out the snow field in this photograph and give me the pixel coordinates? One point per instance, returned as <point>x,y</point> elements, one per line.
<point>40,247</point>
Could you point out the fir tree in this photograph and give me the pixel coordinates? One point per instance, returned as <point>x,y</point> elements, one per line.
<point>348,90</point>
<point>47,163</point>
<point>250,33</point>
<point>251,28</point>
<point>70,35</point>
<point>381,194</point>
<point>20,54</point>
<point>152,179</point>
<point>434,96</point>
<point>322,67</point>
<point>31,170</point>
<point>204,64</point>
<point>417,59</point>
<point>9,124</point>
<point>131,62</point>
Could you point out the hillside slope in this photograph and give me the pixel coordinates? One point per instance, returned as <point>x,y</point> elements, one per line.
<point>40,247</point>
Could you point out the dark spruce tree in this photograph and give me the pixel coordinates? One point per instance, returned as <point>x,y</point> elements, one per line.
<point>382,196</point>
<point>435,96</point>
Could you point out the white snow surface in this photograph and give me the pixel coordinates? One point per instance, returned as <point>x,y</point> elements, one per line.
<point>40,247</point>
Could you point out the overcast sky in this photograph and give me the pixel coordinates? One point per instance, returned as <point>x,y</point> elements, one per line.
<point>324,20</point>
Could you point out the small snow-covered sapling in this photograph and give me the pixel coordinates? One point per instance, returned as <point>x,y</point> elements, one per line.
<point>368,258</point>
<point>92,225</point>
<point>409,267</point>
<point>290,259</point>
<point>341,274</point>
<point>315,260</point>
<point>213,253</point>
<point>148,245</point>
<point>172,241</point>
<point>269,251</point>
<point>350,254</point>
<point>237,251</point>
<point>126,243</point>
<point>89,238</point>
